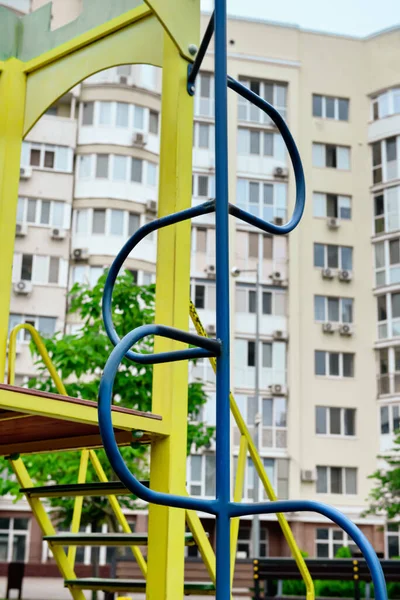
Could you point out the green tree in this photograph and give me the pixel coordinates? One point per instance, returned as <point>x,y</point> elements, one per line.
<point>80,359</point>
<point>384,497</point>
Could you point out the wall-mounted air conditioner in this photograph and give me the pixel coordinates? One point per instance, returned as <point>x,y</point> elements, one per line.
<point>281,172</point>
<point>345,275</point>
<point>23,288</point>
<point>308,475</point>
<point>346,329</point>
<point>139,139</point>
<point>25,172</point>
<point>58,234</point>
<point>80,254</point>
<point>327,273</point>
<point>21,229</point>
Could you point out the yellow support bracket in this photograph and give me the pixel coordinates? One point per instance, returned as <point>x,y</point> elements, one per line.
<point>287,532</point>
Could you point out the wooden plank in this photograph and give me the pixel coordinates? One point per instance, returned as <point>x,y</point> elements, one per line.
<point>132,585</point>
<point>105,539</point>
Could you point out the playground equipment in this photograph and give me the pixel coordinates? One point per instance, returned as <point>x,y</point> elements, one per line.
<point>38,67</point>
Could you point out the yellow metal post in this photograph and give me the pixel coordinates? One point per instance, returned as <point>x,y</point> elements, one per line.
<point>78,503</point>
<point>118,511</point>
<point>237,497</point>
<point>12,106</point>
<point>168,456</point>
<point>46,526</point>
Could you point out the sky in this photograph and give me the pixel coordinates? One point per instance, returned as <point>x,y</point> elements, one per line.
<point>349,17</point>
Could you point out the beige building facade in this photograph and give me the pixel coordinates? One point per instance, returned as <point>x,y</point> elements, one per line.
<point>329,302</point>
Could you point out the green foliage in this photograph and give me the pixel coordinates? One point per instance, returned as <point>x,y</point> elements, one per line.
<point>385,496</point>
<point>79,359</point>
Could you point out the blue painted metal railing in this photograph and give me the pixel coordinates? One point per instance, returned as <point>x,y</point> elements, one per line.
<point>221,506</point>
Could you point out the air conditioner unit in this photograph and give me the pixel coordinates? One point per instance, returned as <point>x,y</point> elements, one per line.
<point>278,389</point>
<point>210,271</point>
<point>151,206</point>
<point>21,230</point>
<point>327,273</point>
<point>211,329</point>
<point>123,79</point>
<point>346,329</point>
<point>58,234</point>
<point>308,476</point>
<point>328,327</point>
<point>279,335</point>
<point>333,223</point>
<point>23,287</point>
<point>139,139</point>
<point>345,275</point>
<point>276,277</point>
<point>80,254</point>
<point>278,221</point>
<point>281,172</point>
<point>25,172</point>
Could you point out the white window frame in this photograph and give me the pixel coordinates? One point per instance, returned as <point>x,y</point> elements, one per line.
<point>274,294</point>
<point>391,418</point>
<point>210,186</point>
<point>343,478</point>
<point>389,533</point>
<point>209,293</point>
<point>326,314</point>
<point>211,136</point>
<point>202,482</point>
<point>28,146</point>
<point>201,107</point>
<point>35,280</point>
<point>387,274</point>
<point>327,374</point>
<point>340,265</point>
<point>35,321</point>
<point>279,209</point>
<point>330,542</point>
<point>113,117</point>
<point>23,208</point>
<point>387,97</point>
<point>390,169</point>
<point>321,199</point>
<point>389,328</point>
<point>336,108</point>
<point>11,532</point>
<point>342,433</point>
<point>244,139</point>
<point>255,115</point>
<point>391,221</point>
<point>146,165</point>
<point>321,148</point>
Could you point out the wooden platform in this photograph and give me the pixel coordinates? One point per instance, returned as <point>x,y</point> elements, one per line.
<point>33,421</point>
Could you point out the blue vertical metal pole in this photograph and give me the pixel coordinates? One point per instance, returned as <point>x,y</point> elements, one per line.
<point>222,285</point>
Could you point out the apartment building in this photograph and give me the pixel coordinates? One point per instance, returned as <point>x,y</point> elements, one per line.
<point>329,293</point>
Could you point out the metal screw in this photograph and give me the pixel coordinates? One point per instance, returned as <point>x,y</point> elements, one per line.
<point>191,89</point>
<point>192,48</point>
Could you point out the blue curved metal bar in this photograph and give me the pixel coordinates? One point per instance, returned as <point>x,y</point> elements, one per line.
<point>189,213</point>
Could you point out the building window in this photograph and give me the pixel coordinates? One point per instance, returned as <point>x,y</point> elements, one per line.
<point>204,96</point>
<point>337,310</point>
<point>329,540</point>
<point>99,221</point>
<point>387,210</point>
<point>39,269</point>
<point>137,170</point>
<point>333,257</point>
<point>274,423</point>
<point>390,419</point>
<point>244,540</point>
<point>334,364</point>
<point>203,137</point>
<point>252,142</point>
<point>332,205</point>
<point>203,295</point>
<point>202,475</point>
<point>45,156</point>
<point>273,92</point>
<point>200,239</point>
<point>331,156</point>
<point>14,533</point>
<point>270,303</point>
<point>46,326</point>
<point>388,306</point>
<point>336,480</point>
<point>329,107</point>
<point>386,104</point>
<point>392,535</point>
<point>48,213</point>
<point>102,166</point>
<point>250,475</point>
<point>335,421</point>
<point>118,168</point>
<point>133,223</point>
<point>153,122</point>
<point>385,166</point>
<point>387,262</point>
<point>265,200</point>
<point>203,186</point>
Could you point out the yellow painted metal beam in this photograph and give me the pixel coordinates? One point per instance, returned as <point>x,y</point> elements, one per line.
<point>181,19</point>
<point>46,526</point>
<point>237,497</point>
<point>170,381</point>
<point>138,42</point>
<point>12,106</point>
<point>203,543</point>
<point>59,409</point>
<point>41,348</point>
<point>78,503</point>
<point>287,532</point>
<point>118,512</point>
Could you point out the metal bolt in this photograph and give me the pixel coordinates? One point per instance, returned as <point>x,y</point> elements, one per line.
<point>191,89</point>
<point>192,48</point>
